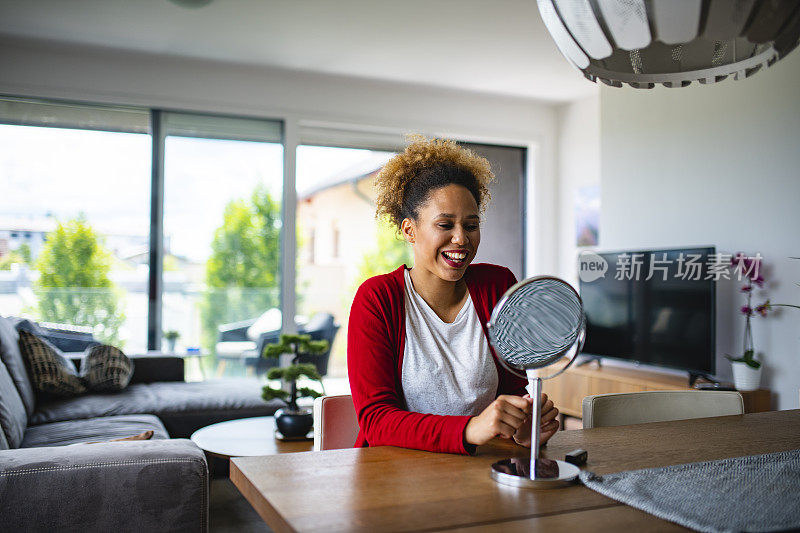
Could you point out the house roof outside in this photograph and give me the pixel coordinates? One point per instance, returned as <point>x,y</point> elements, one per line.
<point>364,169</point>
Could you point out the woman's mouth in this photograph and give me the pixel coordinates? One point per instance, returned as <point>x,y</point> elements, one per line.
<point>455,258</point>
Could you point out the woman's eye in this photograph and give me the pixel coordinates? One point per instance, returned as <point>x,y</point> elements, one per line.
<point>470,227</point>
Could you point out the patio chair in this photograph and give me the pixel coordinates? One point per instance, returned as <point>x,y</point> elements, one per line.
<point>322,326</point>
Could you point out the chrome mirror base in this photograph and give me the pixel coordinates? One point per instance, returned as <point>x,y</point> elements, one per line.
<point>548,473</point>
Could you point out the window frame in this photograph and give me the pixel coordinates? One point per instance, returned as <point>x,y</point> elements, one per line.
<point>33,112</point>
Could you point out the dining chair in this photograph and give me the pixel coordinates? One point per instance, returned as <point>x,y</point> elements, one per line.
<point>335,422</point>
<point>621,409</point>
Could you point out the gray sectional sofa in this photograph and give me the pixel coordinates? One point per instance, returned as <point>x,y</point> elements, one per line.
<point>51,480</point>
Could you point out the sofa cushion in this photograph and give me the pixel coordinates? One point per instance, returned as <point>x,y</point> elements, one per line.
<point>51,373</point>
<point>135,486</point>
<point>92,430</point>
<point>105,368</point>
<point>182,407</point>
<point>13,417</point>
<point>15,363</point>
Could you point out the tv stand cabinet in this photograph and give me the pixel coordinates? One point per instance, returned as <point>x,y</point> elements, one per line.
<point>568,390</point>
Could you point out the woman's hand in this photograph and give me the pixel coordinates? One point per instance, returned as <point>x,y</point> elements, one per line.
<point>503,418</point>
<point>548,427</point>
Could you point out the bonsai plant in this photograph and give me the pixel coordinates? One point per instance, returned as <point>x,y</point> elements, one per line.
<point>171,336</point>
<point>293,422</point>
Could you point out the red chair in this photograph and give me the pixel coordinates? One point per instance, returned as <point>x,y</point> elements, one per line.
<point>335,423</point>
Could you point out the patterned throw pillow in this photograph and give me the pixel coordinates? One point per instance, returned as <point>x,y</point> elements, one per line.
<point>50,372</point>
<point>105,368</point>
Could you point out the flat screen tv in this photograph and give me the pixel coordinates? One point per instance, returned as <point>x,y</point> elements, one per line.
<point>655,307</point>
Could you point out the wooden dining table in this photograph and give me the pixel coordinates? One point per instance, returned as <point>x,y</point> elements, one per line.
<point>396,489</point>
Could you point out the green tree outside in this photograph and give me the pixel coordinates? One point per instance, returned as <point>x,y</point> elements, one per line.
<point>73,285</point>
<point>20,256</point>
<point>11,258</point>
<point>242,271</point>
<point>25,252</point>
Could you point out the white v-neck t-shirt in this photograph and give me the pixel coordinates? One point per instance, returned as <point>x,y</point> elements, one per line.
<point>447,367</point>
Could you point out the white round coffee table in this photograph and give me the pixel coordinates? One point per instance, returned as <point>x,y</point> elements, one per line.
<point>245,437</point>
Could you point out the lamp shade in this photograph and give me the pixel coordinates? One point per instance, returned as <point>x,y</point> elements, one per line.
<point>671,42</point>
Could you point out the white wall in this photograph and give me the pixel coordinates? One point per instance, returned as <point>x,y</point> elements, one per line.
<point>715,165</point>
<point>578,126</point>
<point>84,74</point>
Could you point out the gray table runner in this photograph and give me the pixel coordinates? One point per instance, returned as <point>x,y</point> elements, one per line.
<point>753,493</point>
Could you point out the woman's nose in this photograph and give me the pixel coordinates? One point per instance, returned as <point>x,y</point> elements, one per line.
<point>459,237</point>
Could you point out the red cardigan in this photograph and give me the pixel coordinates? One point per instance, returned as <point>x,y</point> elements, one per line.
<point>375,342</point>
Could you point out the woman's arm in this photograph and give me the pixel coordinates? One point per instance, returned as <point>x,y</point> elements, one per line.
<point>375,384</point>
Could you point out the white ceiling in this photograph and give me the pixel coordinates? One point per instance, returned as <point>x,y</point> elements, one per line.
<point>492,46</point>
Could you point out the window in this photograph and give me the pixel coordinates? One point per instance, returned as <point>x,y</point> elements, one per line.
<point>80,177</point>
<point>339,242</point>
<point>182,214</point>
<point>76,178</point>
<point>223,182</point>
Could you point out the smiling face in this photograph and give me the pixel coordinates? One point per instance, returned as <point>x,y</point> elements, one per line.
<point>446,234</point>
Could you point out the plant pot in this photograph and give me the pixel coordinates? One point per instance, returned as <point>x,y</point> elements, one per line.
<point>745,377</point>
<point>294,424</point>
<point>171,345</point>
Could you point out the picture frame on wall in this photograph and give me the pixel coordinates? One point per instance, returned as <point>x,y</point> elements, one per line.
<point>587,215</point>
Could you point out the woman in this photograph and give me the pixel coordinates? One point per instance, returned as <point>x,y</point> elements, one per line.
<point>422,373</point>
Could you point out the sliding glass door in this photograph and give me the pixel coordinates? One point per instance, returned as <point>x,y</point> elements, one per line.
<point>340,244</point>
<point>95,196</point>
<point>223,182</point>
<point>74,218</point>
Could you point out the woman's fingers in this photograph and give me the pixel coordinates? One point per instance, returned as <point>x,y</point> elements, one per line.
<point>549,415</point>
<point>550,429</point>
<point>516,401</point>
<point>512,406</point>
<point>512,420</point>
<point>509,413</point>
<point>553,424</point>
<point>504,429</point>
<point>544,401</point>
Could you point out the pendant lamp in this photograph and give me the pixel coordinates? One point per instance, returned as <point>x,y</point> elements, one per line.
<point>671,42</point>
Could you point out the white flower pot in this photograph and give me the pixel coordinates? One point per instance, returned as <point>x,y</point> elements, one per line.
<point>746,377</point>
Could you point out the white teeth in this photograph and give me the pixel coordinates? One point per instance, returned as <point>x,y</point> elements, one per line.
<point>455,256</point>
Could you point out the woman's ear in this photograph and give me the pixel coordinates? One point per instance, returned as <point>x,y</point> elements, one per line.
<point>407,229</point>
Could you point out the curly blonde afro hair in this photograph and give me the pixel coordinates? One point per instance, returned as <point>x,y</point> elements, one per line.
<point>405,182</point>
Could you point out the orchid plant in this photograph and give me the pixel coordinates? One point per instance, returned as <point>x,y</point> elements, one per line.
<point>750,268</point>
